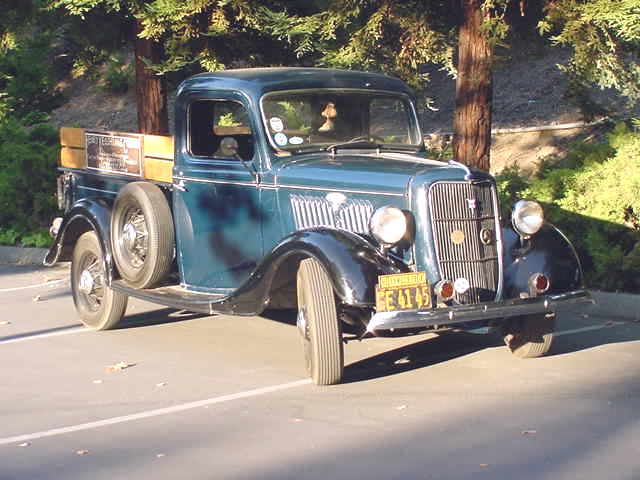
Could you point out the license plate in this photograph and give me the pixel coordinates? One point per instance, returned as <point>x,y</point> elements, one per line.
<point>402,291</point>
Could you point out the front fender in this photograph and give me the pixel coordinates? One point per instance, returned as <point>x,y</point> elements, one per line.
<point>352,263</point>
<point>548,252</point>
<point>86,214</point>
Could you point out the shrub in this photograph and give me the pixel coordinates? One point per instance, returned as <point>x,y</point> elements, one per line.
<point>28,170</point>
<point>595,203</point>
<point>119,75</point>
<point>27,84</point>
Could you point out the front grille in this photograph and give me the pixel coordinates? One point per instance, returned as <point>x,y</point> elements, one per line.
<point>311,211</point>
<point>466,234</point>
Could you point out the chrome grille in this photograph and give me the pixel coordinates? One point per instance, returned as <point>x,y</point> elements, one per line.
<point>462,214</point>
<point>310,211</point>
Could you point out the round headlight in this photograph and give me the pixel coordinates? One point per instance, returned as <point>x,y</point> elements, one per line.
<point>527,217</point>
<point>388,225</point>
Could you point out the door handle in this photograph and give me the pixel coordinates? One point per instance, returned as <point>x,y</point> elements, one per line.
<point>180,186</point>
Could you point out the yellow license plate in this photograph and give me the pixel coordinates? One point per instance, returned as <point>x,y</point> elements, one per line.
<point>402,291</point>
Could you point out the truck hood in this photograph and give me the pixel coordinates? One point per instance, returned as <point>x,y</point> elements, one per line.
<point>384,173</point>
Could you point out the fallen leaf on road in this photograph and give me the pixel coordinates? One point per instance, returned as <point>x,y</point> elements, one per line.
<point>24,444</point>
<point>528,432</point>
<point>82,452</point>
<point>118,367</point>
<point>4,323</point>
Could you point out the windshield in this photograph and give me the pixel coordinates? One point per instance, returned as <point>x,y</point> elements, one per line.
<point>300,120</point>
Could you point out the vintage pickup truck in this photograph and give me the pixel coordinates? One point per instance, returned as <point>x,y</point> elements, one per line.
<point>305,189</point>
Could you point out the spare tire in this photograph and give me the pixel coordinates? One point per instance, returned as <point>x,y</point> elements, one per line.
<point>142,234</point>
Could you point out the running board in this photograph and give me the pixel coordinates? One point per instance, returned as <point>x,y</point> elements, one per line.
<point>174,296</point>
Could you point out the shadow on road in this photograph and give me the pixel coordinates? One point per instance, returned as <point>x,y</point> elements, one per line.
<point>157,317</point>
<point>422,354</point>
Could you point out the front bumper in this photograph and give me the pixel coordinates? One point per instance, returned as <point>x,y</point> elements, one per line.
<point>480,311</point>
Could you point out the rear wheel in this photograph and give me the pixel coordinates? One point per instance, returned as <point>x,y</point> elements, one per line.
<point>530,336</point>
<point>98,307</point>
<point>318,324</point>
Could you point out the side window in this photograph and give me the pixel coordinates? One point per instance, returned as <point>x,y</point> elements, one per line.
<point>388,120</point>
<point>220,129</point>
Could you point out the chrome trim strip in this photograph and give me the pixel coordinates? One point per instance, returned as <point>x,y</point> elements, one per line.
<point>292,187</point>
<point>222,182</point>
<point>463,167</point>
<point>327,189</point>
<point>81,187</point>
<point>407,157</point>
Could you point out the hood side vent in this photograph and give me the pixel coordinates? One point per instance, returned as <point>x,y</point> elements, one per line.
<point>316,211</point>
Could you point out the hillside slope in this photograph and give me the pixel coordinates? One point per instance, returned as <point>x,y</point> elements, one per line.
<point>528,91</point>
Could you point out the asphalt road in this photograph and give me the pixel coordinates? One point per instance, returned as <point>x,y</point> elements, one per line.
<point>226,397</point>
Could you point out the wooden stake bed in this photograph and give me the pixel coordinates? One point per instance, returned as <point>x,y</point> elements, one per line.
<point>129,154</point>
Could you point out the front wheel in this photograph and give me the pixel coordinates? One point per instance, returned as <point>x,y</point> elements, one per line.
<point>318,324</point>
<point>98,307</point>
<point>530,336</point>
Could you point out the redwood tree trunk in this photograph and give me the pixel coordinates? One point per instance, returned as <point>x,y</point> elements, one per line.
<point>472,117</point>
<point>151,93</point>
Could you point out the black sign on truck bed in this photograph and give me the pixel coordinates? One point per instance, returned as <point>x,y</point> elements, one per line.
<point>121,153</point>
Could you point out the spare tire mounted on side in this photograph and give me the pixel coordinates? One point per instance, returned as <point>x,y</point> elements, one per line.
<point>142,234</point>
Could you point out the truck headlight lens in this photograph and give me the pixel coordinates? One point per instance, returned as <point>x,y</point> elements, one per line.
<point>388,225</point>
<point>527,217</point>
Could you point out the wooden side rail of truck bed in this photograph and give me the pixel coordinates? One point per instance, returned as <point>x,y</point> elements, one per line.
<point>131,154</point>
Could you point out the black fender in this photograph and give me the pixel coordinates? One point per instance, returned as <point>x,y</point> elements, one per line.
<point>548,252</point>
<point>352,263</point>
<point>86,214</point>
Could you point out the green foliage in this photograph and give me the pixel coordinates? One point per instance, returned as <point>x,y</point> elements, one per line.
<point>605,38</point>
<point>26,82</point>
<point>228,120</point>
<point>595,202</point>
<point>28,170</point>
<point>119,74</point>
<point>39,238</point>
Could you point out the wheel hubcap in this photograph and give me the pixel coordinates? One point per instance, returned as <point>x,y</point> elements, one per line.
<point>85,285</point>
<point>129,236</point>
<point>134,238</point>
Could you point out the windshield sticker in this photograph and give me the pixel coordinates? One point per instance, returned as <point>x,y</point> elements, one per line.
<point>276,124</point>
<point>296,140</point>
<point>280,139</point>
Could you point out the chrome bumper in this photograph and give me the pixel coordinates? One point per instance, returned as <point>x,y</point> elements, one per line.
<point>479,311</point>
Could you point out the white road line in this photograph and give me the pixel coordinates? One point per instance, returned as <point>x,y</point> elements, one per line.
<point>588,329</point>
<point>38,285</point>
<point>39,336</point>
<point>153,413</point>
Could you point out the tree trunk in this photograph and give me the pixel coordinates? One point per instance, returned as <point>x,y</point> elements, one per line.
<point>151,92</point>
<point>472,117</point>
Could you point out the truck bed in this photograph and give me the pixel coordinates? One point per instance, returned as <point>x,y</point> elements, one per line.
<point>135,155</point>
